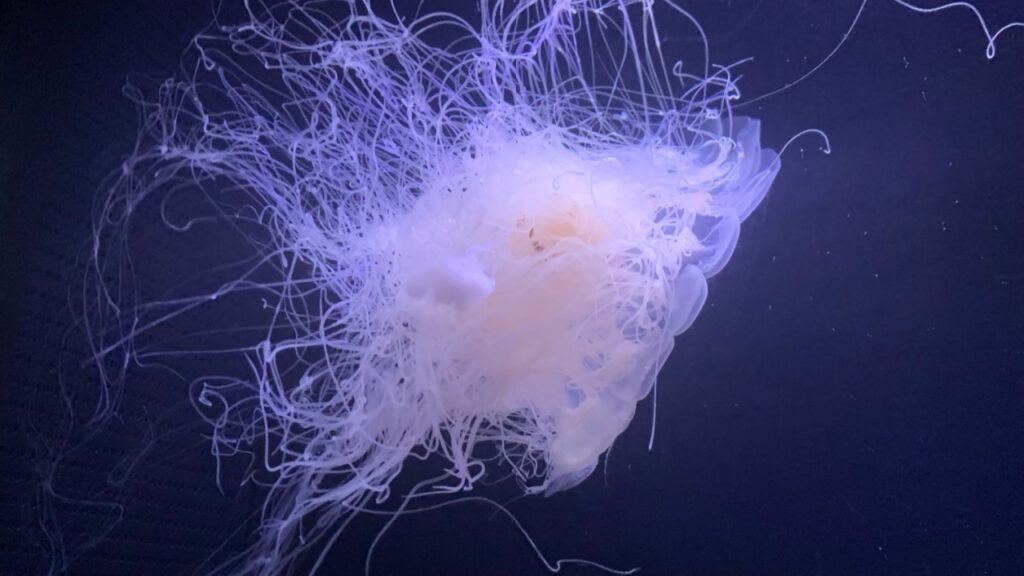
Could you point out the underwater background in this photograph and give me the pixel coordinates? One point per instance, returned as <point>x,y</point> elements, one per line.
<point>850,401</point>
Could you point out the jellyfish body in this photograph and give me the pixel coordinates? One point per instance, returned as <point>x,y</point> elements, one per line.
<point>544,287</point>
<point>475,242</point>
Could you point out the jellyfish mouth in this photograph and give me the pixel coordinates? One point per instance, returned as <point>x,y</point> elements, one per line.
<point>558,227</point>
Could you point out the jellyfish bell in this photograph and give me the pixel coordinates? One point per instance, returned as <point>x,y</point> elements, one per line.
<point>541,285</point>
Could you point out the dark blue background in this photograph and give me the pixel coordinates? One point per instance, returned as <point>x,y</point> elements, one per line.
<point>851,401</point>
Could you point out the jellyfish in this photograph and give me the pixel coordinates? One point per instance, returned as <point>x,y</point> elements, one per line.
<point>470,243</point>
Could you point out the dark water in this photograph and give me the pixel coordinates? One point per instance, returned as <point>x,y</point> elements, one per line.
<point>850,402</point>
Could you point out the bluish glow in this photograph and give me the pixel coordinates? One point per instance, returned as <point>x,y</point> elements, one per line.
<point>475,241</point>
